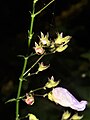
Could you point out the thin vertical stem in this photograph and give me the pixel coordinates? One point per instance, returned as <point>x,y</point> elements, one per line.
<point>31,26</point>
<point>19,88</point>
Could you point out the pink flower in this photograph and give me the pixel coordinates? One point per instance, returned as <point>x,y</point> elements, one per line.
<point>29,99</point>
<point>63,97</point>
<point>38,49</point>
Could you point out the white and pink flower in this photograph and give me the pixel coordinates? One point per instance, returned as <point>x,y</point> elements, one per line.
<point>38,49</point>
<point>29,99</point>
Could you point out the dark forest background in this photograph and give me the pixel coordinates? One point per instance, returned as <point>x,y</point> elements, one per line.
<point>72,66</point>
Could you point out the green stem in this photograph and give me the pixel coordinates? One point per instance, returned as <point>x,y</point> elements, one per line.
<point>36,89</point>
<point>33,65</point>
<point>33,14</point>
<point>44,8</point>
<point>31,27</point>
<point>19,88</point>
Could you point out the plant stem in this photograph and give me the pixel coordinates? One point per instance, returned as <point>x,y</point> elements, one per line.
<point>44,8</point>
<point>19,88</point>
<point>31,26</point>
<point>36,90</point>
<point>33,14</point>
<point>33,65</point>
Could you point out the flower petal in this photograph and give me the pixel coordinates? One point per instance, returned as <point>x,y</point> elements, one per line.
<point>63,97</point>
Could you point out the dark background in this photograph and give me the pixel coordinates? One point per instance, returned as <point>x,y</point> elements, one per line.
<point>70,17</point>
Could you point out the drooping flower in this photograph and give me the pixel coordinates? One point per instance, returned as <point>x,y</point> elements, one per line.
<point>29,99</point>
<point>44,39</point>
<point>76,117</point>
<point>38,49</point>
<point>66,115</point>
<point>42,67</point>
<point>51,83</point>
<point>63,97</point>
<point>32,117</point>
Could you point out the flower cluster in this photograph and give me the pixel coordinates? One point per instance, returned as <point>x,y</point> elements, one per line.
<point>57,45</point>
<point>60,96</point>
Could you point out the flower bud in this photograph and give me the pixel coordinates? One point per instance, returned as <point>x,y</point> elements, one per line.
<point>32,117</point>
<point>29,99</point>
<point>66,115</point>
<point>44,39</point>
<point>51,83</point>
<point>38,49</point>
<point>76,117</point>
<point>42,67</point>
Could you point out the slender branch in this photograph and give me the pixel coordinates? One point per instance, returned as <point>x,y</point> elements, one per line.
<point>33,65</point>
<point>19,88</point>
<point>31,74</point>
<point>44,8</point>
<point>36,90</point>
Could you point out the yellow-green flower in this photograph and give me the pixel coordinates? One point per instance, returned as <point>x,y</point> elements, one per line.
<point>44,39</point>
<point>66,115</point>
<point>62,40</point>
<point>61,48</point>
<point>42,67</point>
<point>32,117</point>
<point>51,83</point>
<point>76,117</point>
<point>50,97</point>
